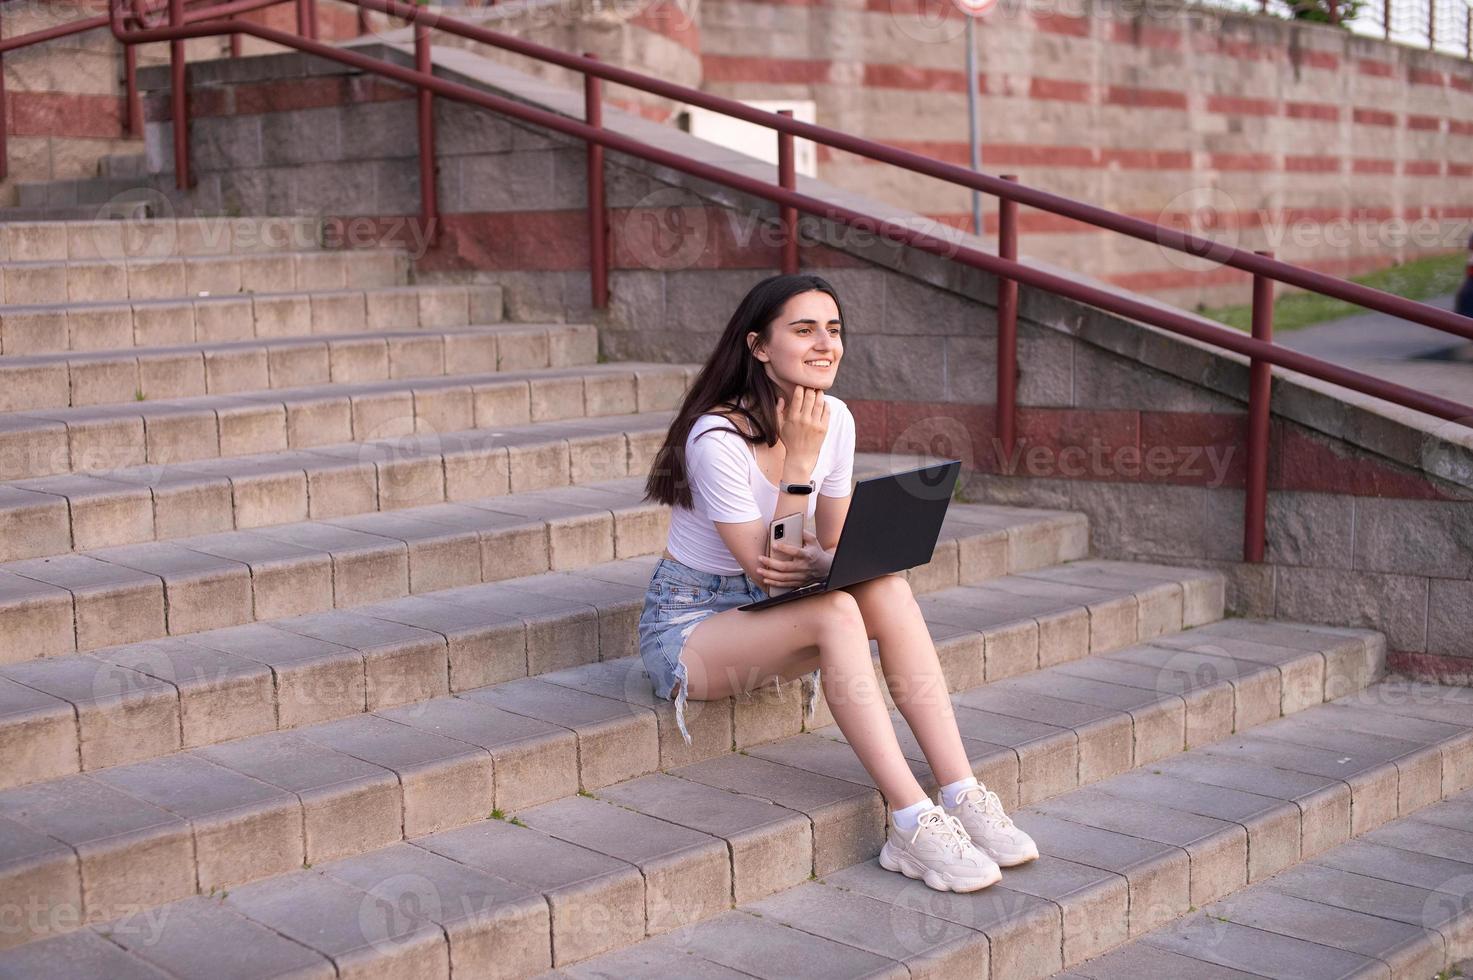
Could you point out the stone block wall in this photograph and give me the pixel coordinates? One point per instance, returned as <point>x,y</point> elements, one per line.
<point>1371,508</point>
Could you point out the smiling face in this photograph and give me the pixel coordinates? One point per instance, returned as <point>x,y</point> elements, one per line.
<point>804,335</point>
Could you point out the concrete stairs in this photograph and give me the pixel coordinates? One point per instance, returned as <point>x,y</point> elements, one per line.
<point>337,676</point>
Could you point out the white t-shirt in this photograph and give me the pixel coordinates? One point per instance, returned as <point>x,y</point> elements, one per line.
<point>727,485</point>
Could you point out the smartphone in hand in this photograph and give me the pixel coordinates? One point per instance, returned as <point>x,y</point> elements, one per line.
<point>787,530</point>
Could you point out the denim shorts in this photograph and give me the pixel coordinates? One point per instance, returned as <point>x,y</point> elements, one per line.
<point>678,599</point>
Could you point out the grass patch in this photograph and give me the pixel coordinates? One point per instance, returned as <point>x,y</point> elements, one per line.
<point>1419,279</point>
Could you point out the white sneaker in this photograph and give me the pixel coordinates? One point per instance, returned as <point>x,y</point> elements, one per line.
<point>940,853</point>
<point>980,812</point>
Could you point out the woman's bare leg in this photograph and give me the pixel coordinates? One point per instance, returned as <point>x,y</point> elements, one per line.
<point>736,651</point>
<point>913,672</point>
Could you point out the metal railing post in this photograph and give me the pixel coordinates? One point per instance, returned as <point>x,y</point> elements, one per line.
<point>234,43</point>
<point>1386,19</point>
<point>598,226</point>
<point>787,178</point>
<point>4,152</point>
<point>1007,326</point>
<point>428,203</point>
<point>180,99</point>
<point>1260,380</point>
<point>1431,25</point>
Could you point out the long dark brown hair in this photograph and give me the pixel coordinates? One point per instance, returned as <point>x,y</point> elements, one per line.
<point>728,374</point>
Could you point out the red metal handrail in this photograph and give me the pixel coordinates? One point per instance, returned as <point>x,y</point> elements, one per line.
<point>1258,348</point>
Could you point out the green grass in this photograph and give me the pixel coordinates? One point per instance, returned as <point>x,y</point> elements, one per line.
<point>1419,279</point>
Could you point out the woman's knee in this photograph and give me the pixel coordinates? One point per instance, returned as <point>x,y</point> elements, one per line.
<point>838,614</point>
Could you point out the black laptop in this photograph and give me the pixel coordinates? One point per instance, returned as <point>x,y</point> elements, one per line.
<point>892,524</point>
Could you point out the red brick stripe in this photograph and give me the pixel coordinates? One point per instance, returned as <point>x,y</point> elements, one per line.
<point>1059,90</point>
<point>917,78</point>
<point>1241,161</point>
<point>1145,98</point>
<point>1364,165</point>
<point>1311,164</point>
<point>65,114</point>
<point>1059,24</point>
<point>1444,669</point>
<point>1377,69</point>
<point>1312,110</point>
<point>1143,35</point>
<point>1238,105</point>
<point>737,68</point>
<point>1372,117</point>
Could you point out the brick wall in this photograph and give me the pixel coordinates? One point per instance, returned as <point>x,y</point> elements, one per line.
<point>1306,139</point>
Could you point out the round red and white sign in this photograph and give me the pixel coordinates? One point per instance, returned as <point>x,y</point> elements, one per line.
<point>980,8</point>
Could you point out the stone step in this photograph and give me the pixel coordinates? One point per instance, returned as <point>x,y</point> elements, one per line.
<point>81,379</point>
<point>154,238</point>
<point>99,198</point>
<point>664,849</point>
<point>86,512</point>
<point>42,212</point>
<point>535,578</point>
<point>1123,857</point>
<point>133,165</point>
<point>263,805</point>
<point>179,276</point>
<point>365,542</point>
<point>255,420</point>
<point>50,328</point>
<point>1396,902</point>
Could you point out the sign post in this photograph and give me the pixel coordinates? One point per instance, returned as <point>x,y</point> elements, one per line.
<point>972,10</point>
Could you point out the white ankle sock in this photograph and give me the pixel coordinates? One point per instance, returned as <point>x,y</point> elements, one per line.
<point>951,791</point>
<point>909,818</point>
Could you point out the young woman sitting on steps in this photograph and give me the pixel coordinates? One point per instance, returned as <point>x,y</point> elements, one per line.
<point>755,420</point>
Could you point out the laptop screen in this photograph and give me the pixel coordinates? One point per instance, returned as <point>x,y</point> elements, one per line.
<point>893,523</point>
